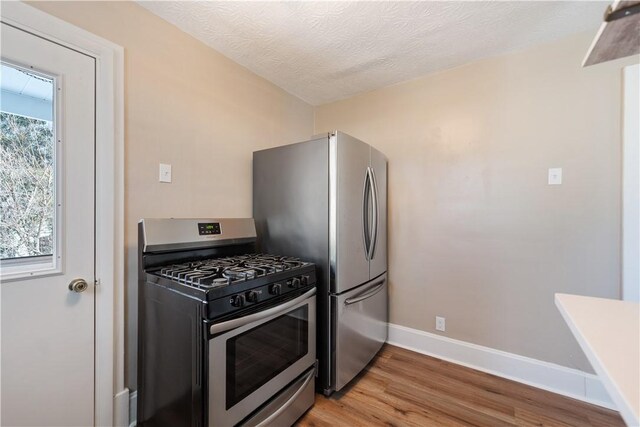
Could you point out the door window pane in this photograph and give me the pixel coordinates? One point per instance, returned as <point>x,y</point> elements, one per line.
<point>27,166</point>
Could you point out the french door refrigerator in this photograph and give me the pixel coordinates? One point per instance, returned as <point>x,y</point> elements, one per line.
<point>325,201</point>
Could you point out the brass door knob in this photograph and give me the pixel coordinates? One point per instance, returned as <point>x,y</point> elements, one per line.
<point>78,285</point>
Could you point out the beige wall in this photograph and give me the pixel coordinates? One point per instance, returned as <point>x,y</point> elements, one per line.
<point>475,233</point>
<point>187,105</point>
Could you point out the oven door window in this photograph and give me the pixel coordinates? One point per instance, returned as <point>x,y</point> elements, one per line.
<point>258,355</point>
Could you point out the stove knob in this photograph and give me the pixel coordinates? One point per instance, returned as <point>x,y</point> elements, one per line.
<point>295,283</point>
<point>275,289</point>
<point>237,300</point>
<point>252,296</point>
<point>304,280</point>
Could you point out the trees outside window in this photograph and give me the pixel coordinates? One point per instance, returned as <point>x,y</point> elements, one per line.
<point>27,194</point>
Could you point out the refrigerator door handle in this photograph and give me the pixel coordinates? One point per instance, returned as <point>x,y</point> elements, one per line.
<point>366,193</point>
<point>366,294</point>
<point>374,232</point>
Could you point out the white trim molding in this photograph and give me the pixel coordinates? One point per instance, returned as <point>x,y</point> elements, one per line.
<point>122,410</point>
<point>631,184</point>
<point>133,409</point>
<point>544,375</point>
<point>109,314</point>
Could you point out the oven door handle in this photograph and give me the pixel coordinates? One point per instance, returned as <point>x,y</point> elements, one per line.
<point>267,421</point>
<point>241,321</point>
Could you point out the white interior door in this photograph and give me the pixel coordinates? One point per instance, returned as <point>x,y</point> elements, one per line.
<point>46,232</point>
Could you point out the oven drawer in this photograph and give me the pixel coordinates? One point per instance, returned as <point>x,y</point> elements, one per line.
<point>360,328</point>
<point>287,406</point>
<point>253,358</point>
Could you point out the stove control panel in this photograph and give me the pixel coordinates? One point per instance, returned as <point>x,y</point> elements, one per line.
<point>167,235</point>
<point>237,300</point>
<point>275,289</point>
<point>253,296</point>
<point>258,295</point>
<point>294,283</point>
<point>206,228</point>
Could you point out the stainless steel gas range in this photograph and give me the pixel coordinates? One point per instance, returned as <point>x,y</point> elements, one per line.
<point>227,336</point>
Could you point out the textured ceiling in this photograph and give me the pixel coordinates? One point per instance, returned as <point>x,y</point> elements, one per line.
<point>325,51</point>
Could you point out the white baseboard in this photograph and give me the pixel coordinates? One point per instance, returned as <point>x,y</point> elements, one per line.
<point>133,408</point>
<point>121,409</point>
<point>548,376</point>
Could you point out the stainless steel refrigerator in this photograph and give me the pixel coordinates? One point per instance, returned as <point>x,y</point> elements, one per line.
<point>325,200</point>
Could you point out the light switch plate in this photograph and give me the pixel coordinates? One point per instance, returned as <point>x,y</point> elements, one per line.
<point>555,176</point>
<point>165,173</point>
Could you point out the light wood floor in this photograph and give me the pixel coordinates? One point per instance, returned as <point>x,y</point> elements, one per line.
<point>403,388</point>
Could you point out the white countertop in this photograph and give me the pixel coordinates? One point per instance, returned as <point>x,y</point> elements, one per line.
<point>609,333</point>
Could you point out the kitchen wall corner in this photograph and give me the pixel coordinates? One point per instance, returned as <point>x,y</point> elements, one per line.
<point>475,233</point>
<point>189,106</point>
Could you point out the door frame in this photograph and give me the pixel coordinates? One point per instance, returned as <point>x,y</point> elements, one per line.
<point>109,196</point>
<point>631,184</point>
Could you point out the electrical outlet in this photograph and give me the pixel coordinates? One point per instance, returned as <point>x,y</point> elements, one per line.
<point>440,325</point>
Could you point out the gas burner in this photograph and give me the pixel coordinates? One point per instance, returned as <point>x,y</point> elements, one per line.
<point>223,262</point>
<point>293,264</point>
<point>239,273</point>
<point>219,272</point>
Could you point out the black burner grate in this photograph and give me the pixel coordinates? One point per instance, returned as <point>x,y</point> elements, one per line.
<point>217,272</point>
